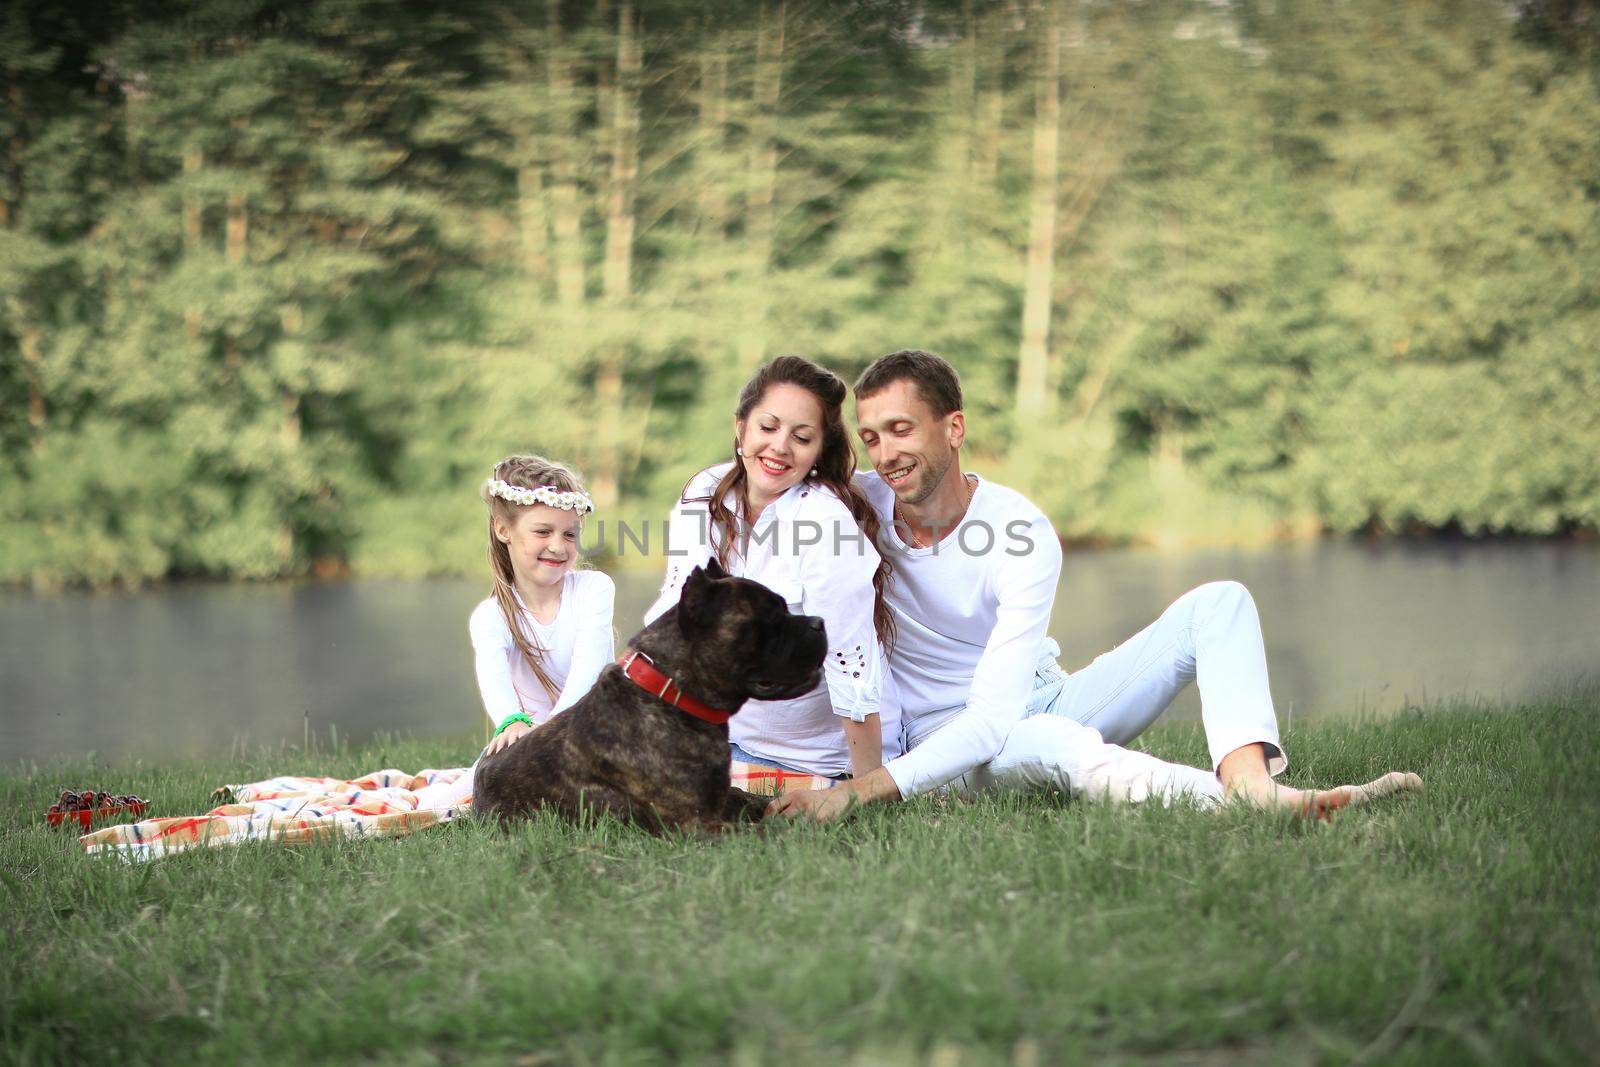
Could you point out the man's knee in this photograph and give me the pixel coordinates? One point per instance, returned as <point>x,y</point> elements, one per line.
<point>1212,596</point>
<point>1226,591</point>
<point>1220,600</point>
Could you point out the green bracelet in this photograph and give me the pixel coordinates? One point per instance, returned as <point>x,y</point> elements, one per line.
<point>515,716</point>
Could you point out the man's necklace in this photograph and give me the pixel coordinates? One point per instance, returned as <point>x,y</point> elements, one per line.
<point>911,533</point>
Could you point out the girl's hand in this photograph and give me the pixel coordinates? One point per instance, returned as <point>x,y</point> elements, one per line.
<point>507,737</point>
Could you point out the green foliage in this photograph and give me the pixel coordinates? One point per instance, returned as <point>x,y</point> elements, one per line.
<point>277,284</point>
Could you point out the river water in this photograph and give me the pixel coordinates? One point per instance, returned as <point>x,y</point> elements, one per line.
<point>199,669</point>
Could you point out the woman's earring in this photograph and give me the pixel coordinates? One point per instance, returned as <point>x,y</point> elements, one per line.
<point>738,450</point>
<point>813,472</point>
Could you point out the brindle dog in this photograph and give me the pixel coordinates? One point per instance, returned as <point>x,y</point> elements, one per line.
<point>625,751</point>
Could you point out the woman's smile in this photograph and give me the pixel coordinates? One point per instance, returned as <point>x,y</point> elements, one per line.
<point>775,467</point>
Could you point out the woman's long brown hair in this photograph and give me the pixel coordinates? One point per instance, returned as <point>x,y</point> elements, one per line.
<point>835,466</point>
<point>528,472</point>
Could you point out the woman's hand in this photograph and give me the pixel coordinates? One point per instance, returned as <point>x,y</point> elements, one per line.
<point>507,737</point>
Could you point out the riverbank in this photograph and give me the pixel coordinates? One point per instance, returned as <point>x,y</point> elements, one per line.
<point>1453,926</point>
<point>1349,628</point>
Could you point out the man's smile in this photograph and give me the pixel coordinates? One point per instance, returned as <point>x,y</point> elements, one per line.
<point>898,475</point>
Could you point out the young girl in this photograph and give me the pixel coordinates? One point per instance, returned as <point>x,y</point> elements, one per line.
<point>784,513</point>
<point>542,636</point>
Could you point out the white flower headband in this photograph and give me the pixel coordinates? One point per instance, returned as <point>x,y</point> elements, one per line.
<point>540,494</point>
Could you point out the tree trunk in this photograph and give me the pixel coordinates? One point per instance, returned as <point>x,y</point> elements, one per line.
<point>567,213</point>
<point>1032,399</point>
<point>238,227</point>
<point>292,319</point>
<point>533,224</point>
<point>965,92</point>
<point>991,100</point>
<point>717,179</point>
<point>617,275</point>
<point>289,431</point>
<point>1166,453</point>
<point>1097,152</point>
<point>624,161</point>
<point>27,335</point>
<point>14,149</point>
<point>193,160</point>
<point>32,365</point>
<point>237,231</point>
<point>712,145</point>
<point>534,142</point>
<point>947,232</point>
<point>761,190</point>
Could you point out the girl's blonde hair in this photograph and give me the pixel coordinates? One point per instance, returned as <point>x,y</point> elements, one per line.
<point>527,472</point>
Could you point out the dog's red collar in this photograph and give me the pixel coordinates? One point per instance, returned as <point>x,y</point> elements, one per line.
<point>643,673</point>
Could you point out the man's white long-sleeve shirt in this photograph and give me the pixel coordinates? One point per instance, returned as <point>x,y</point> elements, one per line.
<point>971,616</point>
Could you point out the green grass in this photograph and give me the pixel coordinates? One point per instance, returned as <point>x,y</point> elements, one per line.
<point>1460,926</point>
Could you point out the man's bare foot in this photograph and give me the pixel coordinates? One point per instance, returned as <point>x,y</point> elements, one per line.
<point>1262,792</point>
<point>1325,802</point>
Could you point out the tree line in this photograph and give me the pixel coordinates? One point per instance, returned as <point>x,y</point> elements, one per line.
<point>279,281</point>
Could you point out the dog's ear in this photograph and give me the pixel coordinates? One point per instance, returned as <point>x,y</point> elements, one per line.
<point>696,604</point>
<point>714,568</point>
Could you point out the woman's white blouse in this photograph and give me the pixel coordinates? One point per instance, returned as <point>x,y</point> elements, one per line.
<point>806,547</point>
<point>578,644</point>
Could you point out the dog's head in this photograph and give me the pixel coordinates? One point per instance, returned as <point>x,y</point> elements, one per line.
<point>743,639</point>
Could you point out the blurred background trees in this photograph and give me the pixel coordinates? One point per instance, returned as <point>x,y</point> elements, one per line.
<point>278,282</point>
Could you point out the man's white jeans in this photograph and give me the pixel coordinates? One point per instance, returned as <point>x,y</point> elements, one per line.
<point>1075,724</point>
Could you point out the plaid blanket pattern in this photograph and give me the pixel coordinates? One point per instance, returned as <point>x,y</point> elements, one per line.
<point>288,810</point>
<point>293,810</point>
<point>770,781</point>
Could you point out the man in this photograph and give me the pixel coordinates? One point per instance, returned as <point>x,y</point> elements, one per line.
<point>983,702</point>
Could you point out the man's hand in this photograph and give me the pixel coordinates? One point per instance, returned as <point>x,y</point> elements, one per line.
<point>826,805</point>
<point>819,805</point>
<point>507,737</point>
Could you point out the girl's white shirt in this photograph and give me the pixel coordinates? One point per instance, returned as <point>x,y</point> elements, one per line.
<point>806,547</point>
<point>577,645</point>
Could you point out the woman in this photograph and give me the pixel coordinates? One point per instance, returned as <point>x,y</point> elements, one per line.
<point>784,513</point>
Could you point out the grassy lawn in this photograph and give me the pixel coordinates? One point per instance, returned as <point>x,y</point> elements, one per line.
<point>1460,926</point>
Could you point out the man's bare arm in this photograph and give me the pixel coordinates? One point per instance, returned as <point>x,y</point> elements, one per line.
<point>826,805</point>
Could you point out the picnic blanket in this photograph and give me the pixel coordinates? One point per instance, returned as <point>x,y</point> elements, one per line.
<point>769,781</point>
<point>389,803</point>
<point>289,810</point>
